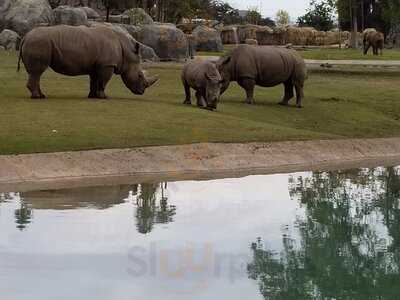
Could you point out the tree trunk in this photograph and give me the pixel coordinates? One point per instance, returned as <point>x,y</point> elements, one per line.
<point>108,14</point>
<point>354,32</point>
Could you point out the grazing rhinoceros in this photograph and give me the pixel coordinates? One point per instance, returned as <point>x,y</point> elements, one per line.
<point>69,50</point>
<point>204,78</point>
<point>264,66</point>
<point>374,39</point>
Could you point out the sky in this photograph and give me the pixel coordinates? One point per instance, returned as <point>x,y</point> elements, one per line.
<point>269,8</point>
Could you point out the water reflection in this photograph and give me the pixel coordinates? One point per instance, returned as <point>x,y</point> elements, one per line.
<point>149,202</point>
<point>322,235</point>
<point>23,215</point>
<point>348,243</point>
<point>152,207</point>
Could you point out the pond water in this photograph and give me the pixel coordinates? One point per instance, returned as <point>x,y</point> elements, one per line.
<point>323,235</point>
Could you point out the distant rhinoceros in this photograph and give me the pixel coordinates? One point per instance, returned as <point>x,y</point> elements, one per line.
<point>374,39</point>
<point>204,78</point>
<point>264,66</point>
<point>69,50</point>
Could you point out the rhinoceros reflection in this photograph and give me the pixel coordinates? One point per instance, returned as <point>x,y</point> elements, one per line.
<point>348,244</point>
<point>150,200</point>
<point>93,197</point>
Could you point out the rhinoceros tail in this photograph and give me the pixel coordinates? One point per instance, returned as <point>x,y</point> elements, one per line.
<point>20,56</point>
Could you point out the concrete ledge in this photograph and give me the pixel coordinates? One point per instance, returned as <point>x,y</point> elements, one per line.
<point>198,161</point>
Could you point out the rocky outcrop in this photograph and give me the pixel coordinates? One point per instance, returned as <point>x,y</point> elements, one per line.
<point>208,39</point>
<point>300,36</point>
<point>251,42</point>
<point>91,13</point>
<point>146,52</point>
<point>9,39</point>
<point>68,15</point>
<point>393,38</point>
<point>138,17</point>
<point>247,32</point>
<point>229,35</point>
<point>22,16</point>
<point>169,43</point>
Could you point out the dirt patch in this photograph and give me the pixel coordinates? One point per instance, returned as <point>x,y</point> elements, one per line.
<point>198,161</point>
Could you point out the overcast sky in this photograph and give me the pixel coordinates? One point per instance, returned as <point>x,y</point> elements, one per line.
<point>269,8</point>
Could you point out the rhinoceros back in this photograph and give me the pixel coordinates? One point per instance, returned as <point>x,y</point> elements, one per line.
<point>71,50</point>
<point>269,66</point>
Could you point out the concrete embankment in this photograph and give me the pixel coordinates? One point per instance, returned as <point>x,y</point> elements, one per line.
<point>198,161</point>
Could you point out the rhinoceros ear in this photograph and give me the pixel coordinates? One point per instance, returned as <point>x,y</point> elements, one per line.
<point>223,61</point>
<point>213,77</point>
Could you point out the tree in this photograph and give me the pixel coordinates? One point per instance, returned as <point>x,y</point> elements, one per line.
<point>226,14</point>
<point>267,22</point>
<point>319,16</point>
<point>282,18</point>
<point>117,4</point>
<point>253,16</point>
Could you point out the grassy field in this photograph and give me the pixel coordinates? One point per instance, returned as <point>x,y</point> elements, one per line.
<point>328,53</point>
<point>336,106</point>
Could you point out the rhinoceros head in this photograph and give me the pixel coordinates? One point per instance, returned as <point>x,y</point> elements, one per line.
<point>223,65</point>
<point>213,88</point>
<point>132,75</point>
<point>136,80</point>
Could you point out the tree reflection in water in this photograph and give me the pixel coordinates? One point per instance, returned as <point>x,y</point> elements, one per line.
<point>348,243</point>
<point>153,207</point>
<point>23,215</point>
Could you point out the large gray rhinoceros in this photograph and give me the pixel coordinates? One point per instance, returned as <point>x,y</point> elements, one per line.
<point>264,66</point>
<point>69,50</point>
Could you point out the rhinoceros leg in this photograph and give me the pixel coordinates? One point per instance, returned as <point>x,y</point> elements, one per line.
<point>288,92</point>
<point>34,86</point>
<point>248,84</point>
<point>93,86</point>
<point>200,100</point>
<point>188,95</point>
<point>299,94</point>
<point>103,76</point>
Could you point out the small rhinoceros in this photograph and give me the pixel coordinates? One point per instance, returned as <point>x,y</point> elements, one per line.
<point>78,50</point>
<point>204,78</point>
<point>264,66</point>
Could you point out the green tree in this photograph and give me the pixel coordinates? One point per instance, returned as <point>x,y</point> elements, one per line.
<point>253,16</point>
<point>319,15</point>
<point>282,18</point>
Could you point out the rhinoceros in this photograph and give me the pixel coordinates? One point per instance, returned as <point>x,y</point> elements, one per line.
<point>265,66</point>
<point>374,39</point>
<point>204,78</point>
<point>70,50</point>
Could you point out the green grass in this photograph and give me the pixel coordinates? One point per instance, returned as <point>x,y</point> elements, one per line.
<point>328,54</point>
<point>336,106</point>
<point>351,54</point>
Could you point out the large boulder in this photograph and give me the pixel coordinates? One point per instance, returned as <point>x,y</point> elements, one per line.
<point>169,43</point>
<point>247,32</point>
<point>267,36</point>
<point>132,29</point>
<point>68,15</point>
<point>208,39</point>
<point>146,52</point>
<point>90,13</point>
<point>22,16</point>
<point>229,35</point>
<point>393,38</point>
<point>138,17</point>
<point>9,39</point>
